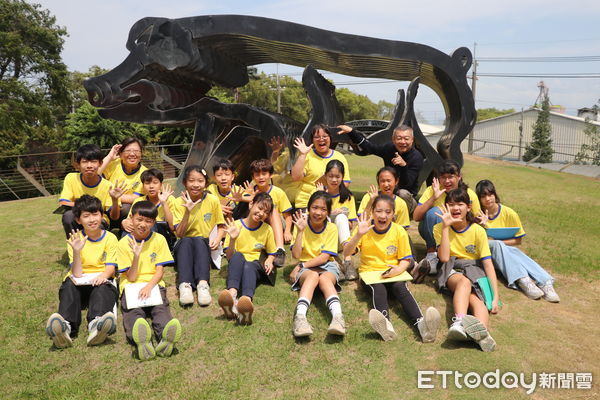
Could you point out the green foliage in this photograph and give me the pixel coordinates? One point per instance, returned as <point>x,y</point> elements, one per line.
<point>356,106</point>
<point>590,153</point>
<point>385,110</point>
<point>78,92</point>
<point>487,113</point>
<point>541,143</point>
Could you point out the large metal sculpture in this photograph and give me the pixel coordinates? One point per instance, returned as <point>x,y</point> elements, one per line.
<point>173,63</point>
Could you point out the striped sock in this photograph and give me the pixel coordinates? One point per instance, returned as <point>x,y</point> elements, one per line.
<point>302,306</point>
<point>334,305</point>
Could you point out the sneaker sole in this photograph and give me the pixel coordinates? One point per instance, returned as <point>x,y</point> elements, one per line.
<point>142,336</point>
<point>551,299</point>
<point>479,333</point>
<point>54,329</point>
<point>457,336</point>
<point>171,335</point>
<point>305,333</point>
<point>245,310</point>
<point>226,303</point>
<point>106,326</point>
<point>432,324</point>
<point>379,324</point>
<point>421,270</point>
<point>336,330</point>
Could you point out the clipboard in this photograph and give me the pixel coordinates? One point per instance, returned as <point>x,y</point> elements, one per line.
<point>132,293</point>
<point>371,277</point>
<point>488,293</point>
<point>85,279</point>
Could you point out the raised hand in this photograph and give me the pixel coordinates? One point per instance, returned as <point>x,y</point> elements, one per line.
<point>114,152</point>
<point>188,203</point>
<point>343,129</point>
<point>373,192</point>
<point>127,225</point>
<point>232,229</point>
<point>364,224</point>
<point>136,247</point>
<point>398,160</point>
<point>77,240</point>
<point>437,192</point>
<point>276,144</point>
<point>320,186</point>
<point>300,220</point>
<point>301,145</point>
<point>165,192</point>
<point>482,218</point>
<point>118,189</point>
<point>446,216</point>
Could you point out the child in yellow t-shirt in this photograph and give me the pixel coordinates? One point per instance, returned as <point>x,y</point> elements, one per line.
<point>384,247</point>
<point>387,180</point>
<point>247,239</point>
<point>463,249</point>
<point>224,176</point>
<point>197,212</point>
<point>315,245</point>
<point>89,282</point>
<point>142,256</point>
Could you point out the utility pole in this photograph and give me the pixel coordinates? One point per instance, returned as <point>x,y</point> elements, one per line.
<point>473,86</point>
<point>520,133</point>
<point>278,92</point>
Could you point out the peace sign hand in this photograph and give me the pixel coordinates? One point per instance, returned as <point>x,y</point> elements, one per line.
<point>188,203</point>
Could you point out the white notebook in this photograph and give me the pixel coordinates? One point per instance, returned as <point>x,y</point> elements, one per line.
<point>132,296</point>
<point>85,279</point>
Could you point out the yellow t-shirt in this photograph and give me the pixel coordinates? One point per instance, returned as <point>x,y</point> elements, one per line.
<point>315,243</point>
<point>400,210</point>
<point>379,250</point>
<point>74,188</point>
<point>280,199</point>
<point>154,253</point>
<point>251,242</point>
<point>96,254</point>
<point>214,189</point>
<point>114,171</point>
<point>469,244</point>
<point>203,217</point>
<point>349,206</point>
<point>314,169</point>
<point>475,207</point>
<point>506,217</point>
<point>161,212</point>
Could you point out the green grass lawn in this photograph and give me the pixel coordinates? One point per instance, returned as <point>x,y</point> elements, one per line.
<point>218,360</point>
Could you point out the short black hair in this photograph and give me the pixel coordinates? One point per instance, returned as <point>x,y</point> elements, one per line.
<point>484,187</point>
<point>190,168</point>
<point>449,167</point>
<point>89,152</point>
<point>223,164</point>
<point>144,208</point>
<point>263,197</point>
<point>127,141</point>
<point>320,194</point>
<point>87,203</point>
<point>148,174</point>
<point>387,199</point>
<point>262,165</point>
<point>460,195</point>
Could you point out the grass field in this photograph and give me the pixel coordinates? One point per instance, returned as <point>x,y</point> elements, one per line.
<point>218,360</point>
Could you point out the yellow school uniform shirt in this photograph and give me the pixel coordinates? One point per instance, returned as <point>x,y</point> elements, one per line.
<point>223,199</point>
<point>379,250</point>
<point>400,210</point>
<point>280,199</point>
<point>96,254</point>
<point>314,169</point>
<point>475,207</point>
<point>161,212</point>
<point>469,244</point>
<point>506,217</point>
<point>316,242</point>
<point>154,253</point>
<point>251,242</point>
<point>348,206</point>
<point>203,217</point>
<point>74,188</point>
<point>115,172</point>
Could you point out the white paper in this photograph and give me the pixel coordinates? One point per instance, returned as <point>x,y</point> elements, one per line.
<point>85,279</point>
<point>132,296</point>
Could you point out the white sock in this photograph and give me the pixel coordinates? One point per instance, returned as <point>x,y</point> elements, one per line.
<point>334,305</point>
<point>302,306</point>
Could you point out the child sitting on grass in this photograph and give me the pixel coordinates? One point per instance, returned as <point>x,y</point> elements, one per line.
<point>92,254</point>
<point>247,238</point>
<point>142,255</point>
<point>222,188</point>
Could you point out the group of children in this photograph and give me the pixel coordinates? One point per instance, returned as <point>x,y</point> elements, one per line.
<point>251,223</point>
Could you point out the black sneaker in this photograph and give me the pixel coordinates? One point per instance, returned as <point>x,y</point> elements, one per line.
<point>279,260</point>
<point>421,270</point>
<point>350,270</point>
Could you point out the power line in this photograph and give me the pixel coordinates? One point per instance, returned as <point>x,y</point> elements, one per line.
<point>574,75</point>
<point>541,59</point>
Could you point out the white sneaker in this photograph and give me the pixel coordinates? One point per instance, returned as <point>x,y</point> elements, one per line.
<point>549,292</point>
<point>59,330</point>
<point>428,325</point>
<point>433,262</point>
<point>204,298</point>
<point>529,288</point>
<point>479,333</point>
<point>301,326</point>
<point>382,325</point>
<point>100,328</point>
<point>456,331</point>
<point>337,325</point>
<point>227,304</point>
<point>186,296</point>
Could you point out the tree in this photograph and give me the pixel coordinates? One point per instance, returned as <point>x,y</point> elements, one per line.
<point>487,113</point>
<point>33,79</point>
<point>385,110</point>
<point>356,106</point>
<point>590,152</point>
<point>541,143</point>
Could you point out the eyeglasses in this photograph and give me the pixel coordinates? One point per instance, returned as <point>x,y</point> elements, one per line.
<point>136,152</point>
<point>320,137</point>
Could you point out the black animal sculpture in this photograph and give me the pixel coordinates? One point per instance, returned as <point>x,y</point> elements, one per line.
<point>173,63</point>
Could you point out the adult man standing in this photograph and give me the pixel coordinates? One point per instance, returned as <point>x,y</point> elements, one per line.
<point>400,154</point>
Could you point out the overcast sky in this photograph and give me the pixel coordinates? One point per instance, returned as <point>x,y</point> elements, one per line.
<point>509,28</point>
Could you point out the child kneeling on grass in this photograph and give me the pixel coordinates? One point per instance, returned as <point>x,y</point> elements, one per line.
<point>315,247</point>
<point>141,256</point>
<point>247,238</point>
<point>384,247</point>
<point>463,249</point>
<point>93,257</point>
